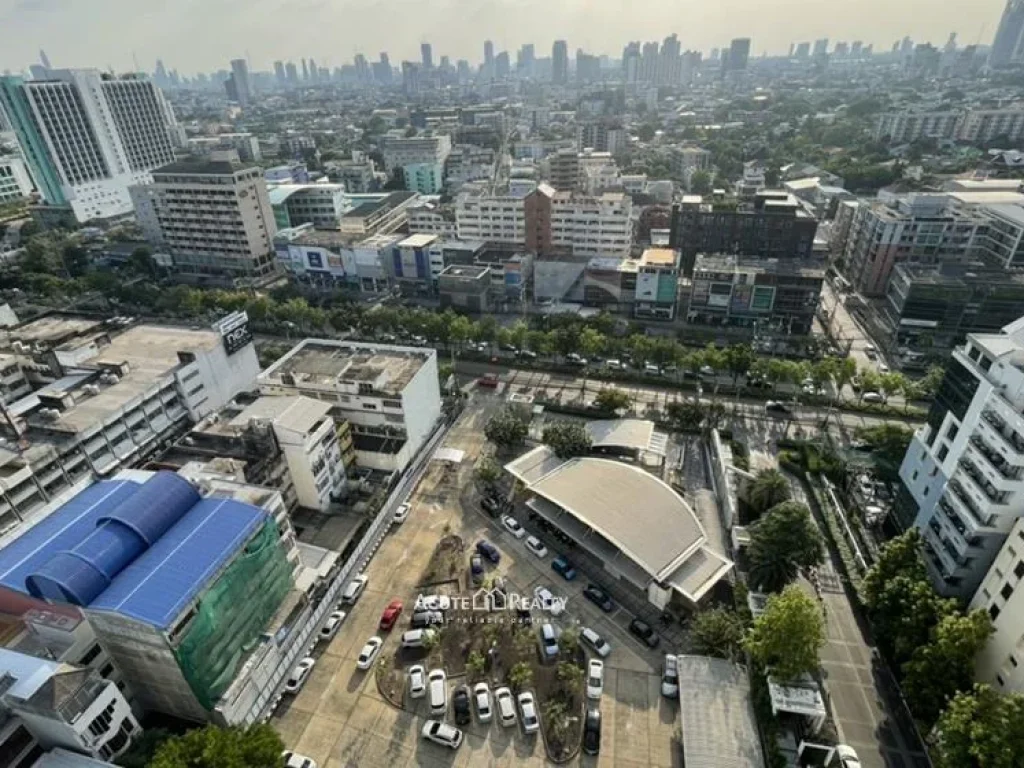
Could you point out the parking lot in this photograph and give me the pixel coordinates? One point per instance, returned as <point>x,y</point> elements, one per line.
<point>340,719</point>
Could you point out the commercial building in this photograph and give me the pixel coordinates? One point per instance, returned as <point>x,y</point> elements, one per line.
<point>930,309</point>
<point>183,582</point>
<point>429,218</point>
<point>245,144</point>
<point>601,137</point>
<point>777,294</point>
<point>356,175</point>
<point>972,125</point>
<point>239,85</point>
<point>410,264</point>
<point>560,62</point>
<point>321,205</point>
<point>1008,45</point>
<point>466,288</point>
<point>1001,240</point>
<point>49,704</point>
<point>563,169</point>
<point>559,221</point>
<point>15,181</point>
<point>379,215</point>
<point>105,396</point>
<point>963,473</point>
<point>657,548</point>
<point>213,218</point>
<point>657,284</point>
<point>774,226</point>
<point>494,218</point>
<point>425,178</point>
<point>389,395</point>
<point>86,137</point>
<point>400,151</point>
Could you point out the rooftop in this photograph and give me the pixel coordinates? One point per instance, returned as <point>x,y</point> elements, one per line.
<point>371,207</point>
<point>143,550</point>
<point>201,168</point>
<point>659,257</point>
<point>417,241</point>
<point>716,715</point>
<point>317,364</point>
<point>296,413</point>
<point>729,263</point>
<point>1014,213</point>
<point>51,329</point>
<point>633,434</point>
<point>469,271</point>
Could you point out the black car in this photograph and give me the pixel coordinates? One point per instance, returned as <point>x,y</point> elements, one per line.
<point>773,407</point>
<point>490,505</point>
<point>489,551</point>
<point>599,597</point>
<point>460,703</point>
<point>592,732</point>
<point>422,619</point>
<point>643,630</point>
<point>524,617</point>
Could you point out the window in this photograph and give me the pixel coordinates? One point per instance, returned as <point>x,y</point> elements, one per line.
<point>1018,569</point>
<point>107,670</point>
<point>999,679</point>
<point>952,431</point>
<point>90,655</point>
<point>914,476</point>
<point>993,612</point>
<point>926,491</point>
<point>1013,660</point>
<point>943,453</point>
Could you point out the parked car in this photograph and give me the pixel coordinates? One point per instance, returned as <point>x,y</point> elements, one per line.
<point>504,703</point>
<point>528,712</point>
<point>592,732</point>
<point>707,370</point>
<point>433,603</point>
<point>489,551</point>
<point>614,365</point>
<point>643,631</point>
<point>595,679</point>
<point>460,705</point>
<point>421,619</point>
<point>774,407</point>
<point>354,589</point>
<point>549,640</point>
<point>476,569</point>
<point>298,676</point>
<point>597,643</point>
<point>490,505</point>
<point>402,513</point>
<point>482,699</point>
<point>652,370</point>
<point>599,597</point>
<point>526,354</point>
<point>563,567</point>
<point>437,685</point>
<point>847,756</point>
<point>872,397</point>
<point>670,677</point>
<point>417,638</point>
<point>883,368</point>
<point>512,526</point>
<point>547,600</point>
<point>489,380</point>
<point>295,760</point>
<point>369,652</point>
<point>391,614</point>
<point>534,545</point>
<point>574,359</point>
<point>332,625</point>
<point>442,733</point>
<point>417,682</point>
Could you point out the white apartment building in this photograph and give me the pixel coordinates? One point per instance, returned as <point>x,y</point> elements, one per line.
<point>214,219</point>
<point>106,397</point>
<point>390,395</point>
<point>973,125</point>
<point>15,181</point>
<point>1002,239</point>
<point>495,218</point>
<point>431,219</point>
<point>1001,594</point>
<point>599,225</point>
<point>13,382</point>
<point>416,150</point>
<point>321,205</point>
<point>87,137</point>
<point>964,470</point>
<point>58,705</point>
<point>981,125</point>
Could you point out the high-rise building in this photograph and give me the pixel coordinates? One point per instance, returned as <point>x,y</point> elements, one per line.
<point>426,56</point>
<point>560,62</point>
<point>502,66</point>
<point>649,63</point>
<point>820,47</point>
<point>243,88</point>
<point>803,50</point>
<point>363,74</point>
<point>410,77</point>
<point>488,53</point>
<point>279,75</point>
<point>738,56</point>
<point>1008,44</point>
<point>213,218</point>
<point>87,137</point>
<point>525,59</point>
<point>631,62</point>
<point>292,72</point>
<point>669,62</point>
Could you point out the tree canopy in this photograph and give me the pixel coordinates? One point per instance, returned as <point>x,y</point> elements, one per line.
<point>981,729</point>
<point>257,746</point>
<point>784,541</point>
<point>567,439</point>
<point>717,632</point>
<point>768,489</point>
<point>507,428</point>
<point>787,637</point>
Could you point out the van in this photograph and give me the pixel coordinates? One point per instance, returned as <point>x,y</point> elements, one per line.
<point>416,638</point>
<point>614,365</point>
<point>437,691</point>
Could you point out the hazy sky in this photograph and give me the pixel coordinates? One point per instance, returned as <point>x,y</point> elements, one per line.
<point>205,34</point>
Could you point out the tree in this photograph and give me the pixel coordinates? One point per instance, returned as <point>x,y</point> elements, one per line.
<point>782,543</point>
<point>569,641</point>
<point>887,441</point>
<point>570,676</point>
<point>945,666</point>
<point>785,639</point>
<point>556,718</point>
<point>140,753</point>
<point>981,729</point>
<point>507,428</point>
<point>700,183</point>
<point>717,632</point>
<point>521,675</point>
<point>901,556</point>
<point>567,439</point>
<point>257,746</point>
<point>686,416</point>
<point>592,342</point>
<point>487,473</point>
<point>738,359</point>
<point>611,400</point>
<point>768,489</point>
<point>891,383</point>
<point>846,371</point>
<point>904,613</point>
<point>475,665</point>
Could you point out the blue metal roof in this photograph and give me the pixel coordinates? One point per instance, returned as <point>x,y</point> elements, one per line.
<point>140,550</point>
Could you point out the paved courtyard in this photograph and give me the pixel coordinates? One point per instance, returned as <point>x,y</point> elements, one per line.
<point>340,719</point>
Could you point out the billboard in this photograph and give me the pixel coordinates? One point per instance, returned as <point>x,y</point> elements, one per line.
<point>234,331</point>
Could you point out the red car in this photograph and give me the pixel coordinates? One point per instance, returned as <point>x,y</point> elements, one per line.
<point>391,614</point>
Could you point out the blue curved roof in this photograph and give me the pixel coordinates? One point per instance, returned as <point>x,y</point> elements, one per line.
<point>142,550</point>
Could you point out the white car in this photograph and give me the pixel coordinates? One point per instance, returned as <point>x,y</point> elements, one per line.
<point>442,733</point>
<point>402,513</point>
<point>847,756</point>
<point>512,526</point>
<point>549,640</point>
<point>299,675</point>
<point>482,699</point>
<point>528,712</point>
<point>369,652</point>
<point>872,397</point>
<point>597,643</point>
<point>595,679</point>
<point>707,370</point>
<point>670,677</point>
<point>295,760</point>
<point>437,684</point>
<point>354,589</point>
<point>534,545</point>
<point>332,625</point>
<point>883,368</point>
<point>417,638</point>
<point>547,601</point>
<point>417,682</point>
<point>505,705</point>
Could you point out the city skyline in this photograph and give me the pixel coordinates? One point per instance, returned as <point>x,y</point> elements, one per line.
<point>77,36</point>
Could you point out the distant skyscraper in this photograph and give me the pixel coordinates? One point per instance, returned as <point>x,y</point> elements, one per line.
<point>856,49</point>
<point>44,59</point>
<point>560,62</point>
<point>410,77</point>
<point>669,62</point>
<point>803,50</point>
<point>792,49</point>
<point>243,89</point>
<point>305,71</point>
<point>649,63</point>
<point>313,71</point>
<point>488,53</point>
<point>631,62</point>
<point>502,65</point>
<point>739,55</point>
<point>160,75</point>
<point>525,59</point>
<point>820,47</point>
<point>426,56</point>
<point>293,73</point>
<point>279,74</point>
<point>362,69</point>
<point>1007,44</point>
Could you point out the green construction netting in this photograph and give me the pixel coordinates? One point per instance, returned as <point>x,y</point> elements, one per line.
<point>233,613</point>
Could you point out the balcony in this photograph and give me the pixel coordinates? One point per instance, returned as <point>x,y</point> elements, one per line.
<point>1004,431</point>
<point>961,497</point>
<point>995,460</point>
<point>983,484</point>
<point>952,516</point>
